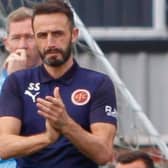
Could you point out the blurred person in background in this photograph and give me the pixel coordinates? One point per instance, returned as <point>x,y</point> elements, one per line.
<point>134,159</point>
<point>23,53</point>
<point>19,43</point>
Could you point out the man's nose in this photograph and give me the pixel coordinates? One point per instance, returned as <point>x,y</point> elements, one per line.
<point>50,41</point>
<point>22,43</point>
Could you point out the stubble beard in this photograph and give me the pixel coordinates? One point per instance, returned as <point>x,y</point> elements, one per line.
<point>53,61</point>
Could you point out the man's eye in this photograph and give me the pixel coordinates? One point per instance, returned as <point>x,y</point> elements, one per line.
<point>41,35</point>
<point>57,34</point>
<point>30,37</point>
<point>15,38</point>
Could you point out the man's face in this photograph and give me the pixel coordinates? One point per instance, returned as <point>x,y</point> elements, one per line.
<point>54,37</point>
<point>135,164</point>
<point>21,36</point>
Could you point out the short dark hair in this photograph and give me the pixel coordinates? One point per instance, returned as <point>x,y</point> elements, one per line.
<point>130,157</point>
<point>54,6</point>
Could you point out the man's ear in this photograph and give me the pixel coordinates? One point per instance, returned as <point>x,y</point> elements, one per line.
<point>75,34</point>
<point>5,43</point>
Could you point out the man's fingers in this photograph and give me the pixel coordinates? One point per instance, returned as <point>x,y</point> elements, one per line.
<point>56,92</point>
<point>43,102</point>
<point>21,52</point>
<point>45,105</point>
<point>11,58</point>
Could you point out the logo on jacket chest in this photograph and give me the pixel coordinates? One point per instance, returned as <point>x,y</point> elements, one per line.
<point>33,91</point>
<point>80,97</point>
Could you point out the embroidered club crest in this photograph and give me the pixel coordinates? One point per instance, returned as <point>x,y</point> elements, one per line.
<point>80,97</point>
